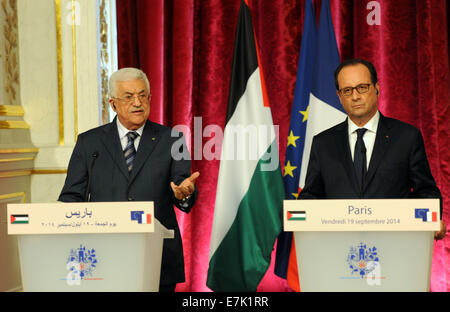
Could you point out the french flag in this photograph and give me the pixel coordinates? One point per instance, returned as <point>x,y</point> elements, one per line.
<point>141,217</point>
<point>316,107</point>
<point>426,215</point>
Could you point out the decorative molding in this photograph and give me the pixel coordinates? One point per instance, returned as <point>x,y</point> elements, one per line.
<point>14,173</point>
<point>5,160</point>
<point>18,150</point>
<point>74,61</point>
<point>10,60</point>
<point>11,110</point>
<point>60,71</point>
<point>13,124</point>
<point>104,61</point>
<point>49,171</point>
<point>14,195</point>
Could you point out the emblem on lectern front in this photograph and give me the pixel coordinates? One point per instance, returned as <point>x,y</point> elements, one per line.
<point>362,260</point>
<point>81,262</point>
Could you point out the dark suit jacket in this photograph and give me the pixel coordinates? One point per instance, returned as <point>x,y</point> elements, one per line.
<point>153,170</point>
<point>398,166</point>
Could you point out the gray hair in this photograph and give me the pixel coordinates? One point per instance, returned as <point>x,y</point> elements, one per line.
<point>126,74</point>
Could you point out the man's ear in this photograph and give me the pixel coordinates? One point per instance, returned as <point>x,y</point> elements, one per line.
<point>113,106</point>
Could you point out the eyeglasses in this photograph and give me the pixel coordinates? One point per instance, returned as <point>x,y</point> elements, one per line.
<point>142,98</point>
<point>361,88</point>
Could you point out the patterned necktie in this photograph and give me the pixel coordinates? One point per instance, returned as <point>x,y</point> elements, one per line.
<point>130,151</point>
<point>360,159</point>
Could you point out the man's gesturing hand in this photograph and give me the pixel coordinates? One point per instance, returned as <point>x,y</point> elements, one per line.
<point>186,188</point>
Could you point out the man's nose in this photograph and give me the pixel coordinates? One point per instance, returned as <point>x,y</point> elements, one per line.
<point>136,101</point>
<point>355,94</point>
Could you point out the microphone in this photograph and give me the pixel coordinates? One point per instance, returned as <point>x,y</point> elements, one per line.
<point>87,196</point>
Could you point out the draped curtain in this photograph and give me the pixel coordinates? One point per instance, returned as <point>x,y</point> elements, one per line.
<point>186,49</point>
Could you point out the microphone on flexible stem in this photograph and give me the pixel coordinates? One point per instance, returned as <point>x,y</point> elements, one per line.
<point>87,196</point>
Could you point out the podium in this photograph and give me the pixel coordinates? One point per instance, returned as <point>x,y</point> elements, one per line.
<point>364,245</point>
<point>77,247</point>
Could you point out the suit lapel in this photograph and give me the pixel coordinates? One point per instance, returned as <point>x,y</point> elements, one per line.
<point>344,150</point>
<point>149,139</point>
<point>112,143</point>
<point>382,140</point>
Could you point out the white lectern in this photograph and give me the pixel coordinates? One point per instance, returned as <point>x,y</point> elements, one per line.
<point>88,246</point>
<point>363,245</point>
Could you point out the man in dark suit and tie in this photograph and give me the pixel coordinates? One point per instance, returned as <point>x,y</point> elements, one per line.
<point>368,155</point>
<point>132,159</point>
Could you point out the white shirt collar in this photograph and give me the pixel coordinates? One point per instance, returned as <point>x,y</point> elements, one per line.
<point>123,131</point>
<point>371,125</point>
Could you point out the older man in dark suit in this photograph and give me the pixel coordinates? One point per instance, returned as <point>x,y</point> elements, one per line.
<point>131,159</point>
<point>368,155</point>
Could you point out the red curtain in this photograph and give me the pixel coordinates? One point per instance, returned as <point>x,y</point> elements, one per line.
<point>186,49</point>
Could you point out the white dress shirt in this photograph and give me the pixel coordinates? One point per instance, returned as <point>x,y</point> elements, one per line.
<point>368,138</point>
<point>123,135</point>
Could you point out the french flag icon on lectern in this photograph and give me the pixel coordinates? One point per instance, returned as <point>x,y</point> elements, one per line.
<point>425,214</point>
<point>141,217</point>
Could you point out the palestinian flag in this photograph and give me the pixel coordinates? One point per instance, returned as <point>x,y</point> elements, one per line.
<point>250,192</point>
<point>19,219</point>
<point>296,216</point>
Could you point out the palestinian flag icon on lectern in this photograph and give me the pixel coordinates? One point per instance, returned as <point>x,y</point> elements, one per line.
<point>296,215</point>
<point>19,219</point>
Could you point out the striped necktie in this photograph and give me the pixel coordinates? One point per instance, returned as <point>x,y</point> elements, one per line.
<point>130,151</point>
